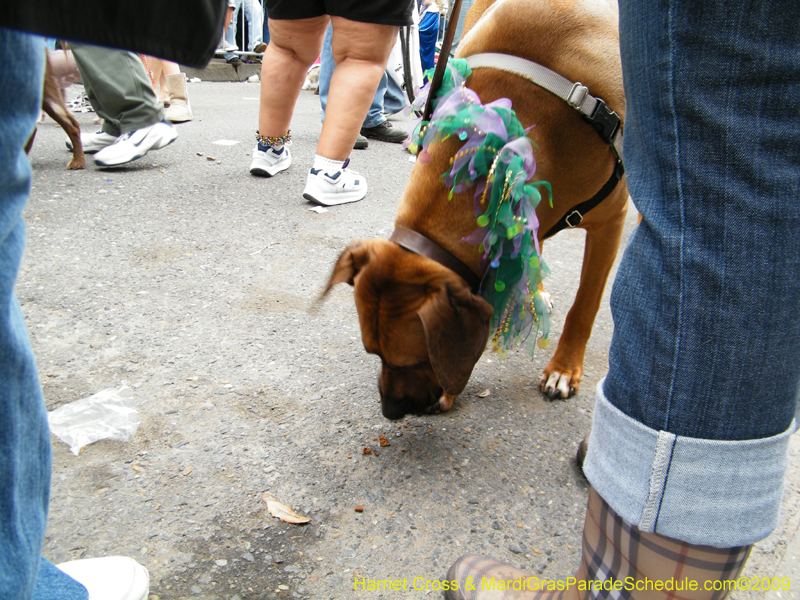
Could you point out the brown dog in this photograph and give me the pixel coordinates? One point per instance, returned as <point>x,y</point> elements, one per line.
<point>53,105</point>
<point>421,317</point>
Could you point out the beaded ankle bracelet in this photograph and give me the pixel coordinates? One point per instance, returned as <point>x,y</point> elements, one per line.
<point>270,141</point>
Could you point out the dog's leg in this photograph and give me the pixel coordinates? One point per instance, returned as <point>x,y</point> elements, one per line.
<point>444,404</point>
<point>562,375</point>
<point>546,296</point>
<point>29,145</point>
<point>53,105</point>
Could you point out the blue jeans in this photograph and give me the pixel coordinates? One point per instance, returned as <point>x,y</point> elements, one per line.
<point>692,421</point>
<point>254,15</point>
<point>25,458</point>
<point>388,100</point>
<point>428,32</point>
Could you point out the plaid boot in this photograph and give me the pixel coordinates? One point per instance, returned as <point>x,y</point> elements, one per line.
<point>618,561</point>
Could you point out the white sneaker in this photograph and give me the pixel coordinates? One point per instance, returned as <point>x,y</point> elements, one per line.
<point>94,142</point>
<point>225,47</point>
<point>331,189</point>
<point>110,578</point>
<point>267,164</point>
<point>135,144</point>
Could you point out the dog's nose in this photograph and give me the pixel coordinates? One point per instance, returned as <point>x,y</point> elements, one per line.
<point>396,408</point>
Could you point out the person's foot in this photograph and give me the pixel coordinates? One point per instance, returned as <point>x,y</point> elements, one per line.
<point>361,143</point>
<point>330,189</point>
<point>94,142</point>
<point>135,144</point>
<point>110,578</point>
<point>260,47</point>
<point>268,163</point>
<point>234,60</point>
<point>612,550</point>
<point>225,46</point>
<point>385,133</point>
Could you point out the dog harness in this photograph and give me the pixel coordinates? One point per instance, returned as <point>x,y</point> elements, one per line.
<point>605,121</point>
<point>496,159</point>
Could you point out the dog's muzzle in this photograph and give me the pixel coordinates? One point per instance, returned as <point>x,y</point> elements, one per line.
<point>408,390</point>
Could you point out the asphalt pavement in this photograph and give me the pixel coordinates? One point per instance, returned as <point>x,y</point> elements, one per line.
<point>197,285</point>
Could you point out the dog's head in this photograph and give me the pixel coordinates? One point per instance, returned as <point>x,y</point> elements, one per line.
<point>420,318</point>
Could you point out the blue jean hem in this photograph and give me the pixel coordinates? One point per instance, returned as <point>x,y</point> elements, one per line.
<point>709,492</point>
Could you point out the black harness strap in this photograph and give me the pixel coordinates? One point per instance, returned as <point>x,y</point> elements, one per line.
<point>574,216</point>
<point>593,110</point>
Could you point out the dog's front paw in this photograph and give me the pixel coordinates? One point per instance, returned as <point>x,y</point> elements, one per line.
<point>77,163</point>
<point>546,297</point>
<point>558,384</point>
<point>444,404</point>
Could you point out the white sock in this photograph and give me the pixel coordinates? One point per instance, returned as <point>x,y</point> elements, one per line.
<point>327,164</point>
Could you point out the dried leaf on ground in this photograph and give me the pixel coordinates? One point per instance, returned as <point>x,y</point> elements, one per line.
<point>281,511</point>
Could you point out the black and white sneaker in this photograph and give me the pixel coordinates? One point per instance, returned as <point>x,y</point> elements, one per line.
<point>94,142</point>
<point>135,144</point>
<point>269,162</point>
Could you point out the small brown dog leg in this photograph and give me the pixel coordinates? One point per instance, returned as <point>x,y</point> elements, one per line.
<point>444,404</point>
<point>29,145</point>
<point>53,105</point>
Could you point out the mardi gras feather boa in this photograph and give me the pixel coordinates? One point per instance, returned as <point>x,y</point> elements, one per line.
<point>496,159</point>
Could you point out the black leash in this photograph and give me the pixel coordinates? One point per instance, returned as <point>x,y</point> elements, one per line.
<point>441,65</point>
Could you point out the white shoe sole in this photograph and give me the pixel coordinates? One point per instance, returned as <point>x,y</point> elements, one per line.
<point>314,193</point>
<point>263,171</point>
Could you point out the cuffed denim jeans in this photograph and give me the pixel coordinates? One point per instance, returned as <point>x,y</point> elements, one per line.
<point>25,459</point>
<point>691,425</point>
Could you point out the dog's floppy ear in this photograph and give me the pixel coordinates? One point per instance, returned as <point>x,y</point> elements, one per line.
<point>456,324</point>
<point>352,259</point>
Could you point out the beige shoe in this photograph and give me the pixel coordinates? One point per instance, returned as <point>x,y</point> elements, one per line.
<point>179,108</point>
<point>618,561</point>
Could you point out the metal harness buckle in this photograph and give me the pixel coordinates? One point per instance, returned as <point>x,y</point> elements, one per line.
<point>570,218</point>
<point>577,95</point>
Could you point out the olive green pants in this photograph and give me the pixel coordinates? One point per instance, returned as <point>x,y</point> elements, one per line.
<point>118,88</point>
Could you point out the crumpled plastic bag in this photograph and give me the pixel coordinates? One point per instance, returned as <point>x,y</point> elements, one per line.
<point>108,415</point>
